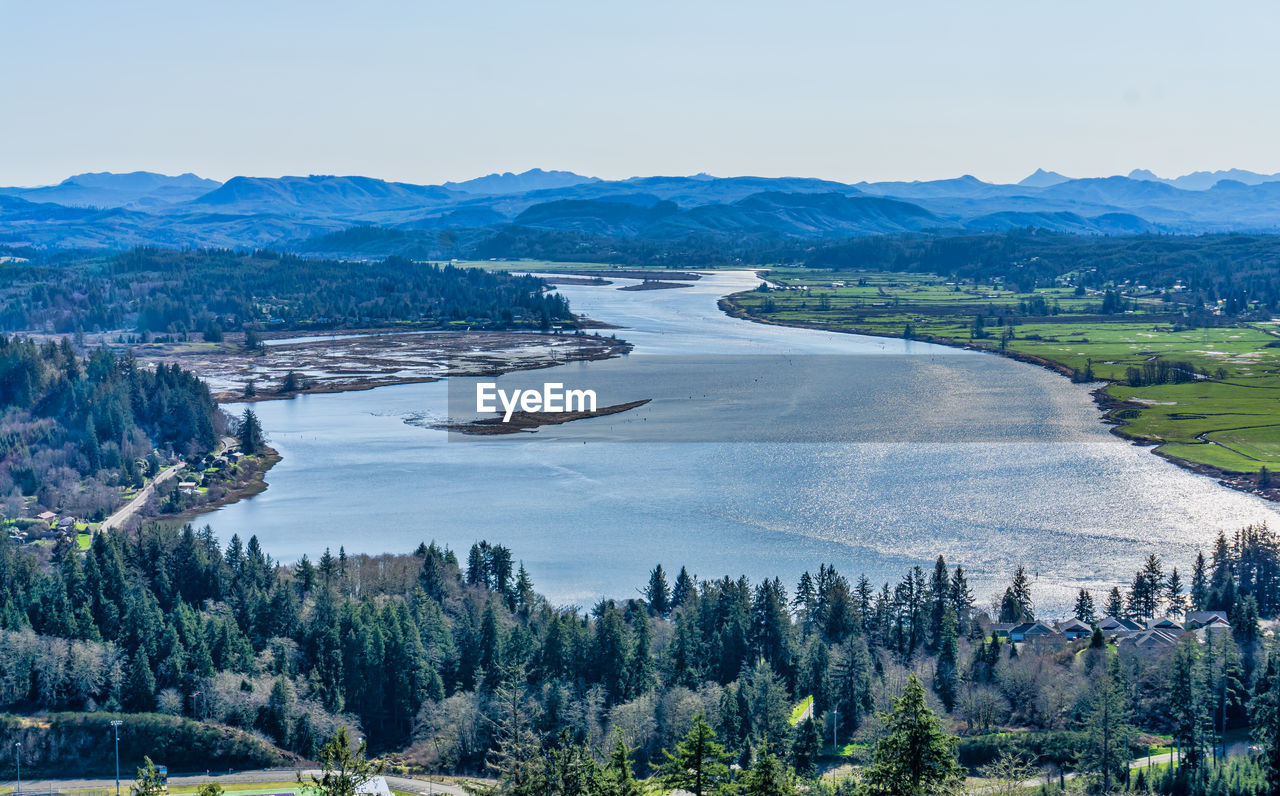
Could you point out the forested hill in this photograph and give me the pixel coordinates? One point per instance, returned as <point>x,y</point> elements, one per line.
<point>208,292</point>
<point>75,432</point>
<point>453,665</point>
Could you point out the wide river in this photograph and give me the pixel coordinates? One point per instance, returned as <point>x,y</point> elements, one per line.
<point>765,451</point>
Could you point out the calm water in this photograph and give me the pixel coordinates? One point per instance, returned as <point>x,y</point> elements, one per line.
<point>929,450</point>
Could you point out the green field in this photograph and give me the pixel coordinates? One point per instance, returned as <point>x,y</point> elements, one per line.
<point>1227,417</point>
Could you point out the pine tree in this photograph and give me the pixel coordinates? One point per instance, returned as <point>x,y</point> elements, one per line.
<point>1200,584</point>
<point>1022,591</point>
<point>1173,594</point>
<point>939,597</point>
<point>916,757</point>
<point>1107,728</point>
<point>250,435</point>
<point>1187,703</point>
<point>149,781</point>
<point>621,781</point>
<point>683,590</point>
<point>140,684</point>
<point>342,769</point>
<point>767,777</point>
<point>946,674</point>
<point>1115,604</point>
<point>699,764</point>
<point>961,600</point>
<point>658,595</point>
<point>1084,610</point>
<point>807,748</point>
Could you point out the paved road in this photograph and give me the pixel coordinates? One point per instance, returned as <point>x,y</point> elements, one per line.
<point>133,506</point>
<point>407,784</point>
<point>126,511</point>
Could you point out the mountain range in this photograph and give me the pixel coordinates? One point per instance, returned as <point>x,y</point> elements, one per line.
<point>105,210</point>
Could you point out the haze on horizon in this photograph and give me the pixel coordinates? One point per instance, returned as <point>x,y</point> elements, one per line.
<point>431,92</point>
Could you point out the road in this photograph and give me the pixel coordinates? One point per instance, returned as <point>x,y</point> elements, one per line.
<point>126,511</point>
<point>122,515</point>
<point>276,775</point>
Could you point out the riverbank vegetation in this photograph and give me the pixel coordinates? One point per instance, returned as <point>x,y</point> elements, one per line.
<point>453,666</point>
<point>1197,380</point>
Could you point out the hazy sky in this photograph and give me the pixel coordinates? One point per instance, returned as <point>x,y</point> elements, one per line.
<point>427,92</point>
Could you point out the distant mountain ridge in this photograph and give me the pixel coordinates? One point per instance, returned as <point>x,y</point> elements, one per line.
<point>104,210</point>
<point>105,189</point>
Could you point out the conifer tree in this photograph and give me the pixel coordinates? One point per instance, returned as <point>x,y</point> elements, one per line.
<point>916,757</point>
<point>1084,610</point>
<point>699,763</point>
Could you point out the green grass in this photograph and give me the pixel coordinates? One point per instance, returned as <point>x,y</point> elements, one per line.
<point>84,540</point>
<point>1230,421</point>
<point>799,709</point>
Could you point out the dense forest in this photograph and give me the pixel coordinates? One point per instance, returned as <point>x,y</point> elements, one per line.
<point>1243,271</point>
<point>209,292</point>
<point>75,431</point>
<point>460,666</point>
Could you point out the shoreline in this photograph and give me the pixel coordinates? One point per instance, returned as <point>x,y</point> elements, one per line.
<point>256,485</point>
<point>1109,405</point>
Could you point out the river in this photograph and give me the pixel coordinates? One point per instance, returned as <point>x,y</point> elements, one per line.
<point>765,451</point>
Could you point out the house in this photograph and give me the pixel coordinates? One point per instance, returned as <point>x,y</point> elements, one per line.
<point>47,516</point>
<point>1198,619</point>
<point>1111,625</point>
<point>67,524</point>
<point>1001,629</point>
<point>1030,631</point>
<point>1165,624</point>
<point>1074,629</point>
<point>187,487</point>
<point>1150,641</point>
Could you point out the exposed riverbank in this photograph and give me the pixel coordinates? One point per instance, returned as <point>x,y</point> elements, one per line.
<point>285,367</point>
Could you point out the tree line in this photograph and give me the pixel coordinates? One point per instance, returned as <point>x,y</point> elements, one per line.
<point>459,665</point>
<point>206,293</point>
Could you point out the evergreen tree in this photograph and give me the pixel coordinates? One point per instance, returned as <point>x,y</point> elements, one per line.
<point>962,601</point>
<point>1115,604</point>
<point>1084,610</point>
<point>698,764</point>
<point>342,769</point>
<point>767,777</point>
<point>1173,594</point>
<point>1021,589</point>
<point>149,781</point>
<point>916,757</point>
<point>946,673</point>
<point>683,590</point>
<point>939,599</point>
<point>1107,728</point>
<point>250,435</point>
<point>140,684</point>
<point>658,595</point>
<point>807,748</point>
<point>1200,584</point>
<point>621,781</point>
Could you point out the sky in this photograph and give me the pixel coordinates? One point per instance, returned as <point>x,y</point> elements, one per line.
<point>428,91</point>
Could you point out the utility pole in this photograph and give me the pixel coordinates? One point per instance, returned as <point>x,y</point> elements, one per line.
<point>17,757</point>
<point>835,722</point>
<point>115,726</point>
